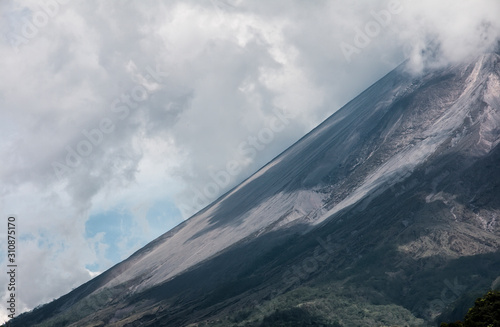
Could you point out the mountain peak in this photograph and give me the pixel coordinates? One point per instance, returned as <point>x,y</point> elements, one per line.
<point>395,188</point>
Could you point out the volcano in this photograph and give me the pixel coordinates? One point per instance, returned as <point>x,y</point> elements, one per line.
<point>386,214</point>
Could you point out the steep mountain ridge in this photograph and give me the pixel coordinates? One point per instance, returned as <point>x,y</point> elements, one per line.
<point>408,168</point>
<point>346,145</point>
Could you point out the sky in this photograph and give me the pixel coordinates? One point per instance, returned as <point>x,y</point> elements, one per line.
<point>118,120</point>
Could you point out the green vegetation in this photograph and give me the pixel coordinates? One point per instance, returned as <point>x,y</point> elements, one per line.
<point>484,313</point>
<point>327,306</point>
<point>298,317</point>
<point>85,308</point>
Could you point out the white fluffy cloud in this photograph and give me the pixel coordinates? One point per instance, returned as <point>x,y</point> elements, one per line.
<point>142,102</point>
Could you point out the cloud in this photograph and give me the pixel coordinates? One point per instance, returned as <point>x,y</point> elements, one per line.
<point>448,31</point>
<point>108,107</point>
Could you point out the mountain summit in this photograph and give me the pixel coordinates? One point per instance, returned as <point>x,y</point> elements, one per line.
<point>385,214</point>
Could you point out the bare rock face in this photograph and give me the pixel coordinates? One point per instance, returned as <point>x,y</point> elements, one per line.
<point>387,213</point>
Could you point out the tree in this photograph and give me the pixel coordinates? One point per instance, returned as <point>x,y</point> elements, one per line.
<point>484,313</point>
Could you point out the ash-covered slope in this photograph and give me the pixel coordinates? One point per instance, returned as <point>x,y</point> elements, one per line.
<point>394,188</point>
